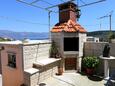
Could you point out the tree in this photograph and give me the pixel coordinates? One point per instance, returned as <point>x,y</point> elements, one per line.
<point>111,36</point>
<point>4,39</point>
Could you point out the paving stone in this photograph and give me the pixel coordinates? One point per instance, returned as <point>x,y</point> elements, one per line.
<point>72,79</point>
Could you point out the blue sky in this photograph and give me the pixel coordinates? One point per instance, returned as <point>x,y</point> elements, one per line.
<point>14,14</point>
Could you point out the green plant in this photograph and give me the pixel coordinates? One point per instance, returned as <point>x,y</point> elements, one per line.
<point>90,62</point>
<point>111,35</point>
<point>54,51</point>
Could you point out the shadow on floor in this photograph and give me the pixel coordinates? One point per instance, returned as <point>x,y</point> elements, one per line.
<point>42,84</point>
<point>95,78</point>
<point>92,77</point>
<point>82,73</point>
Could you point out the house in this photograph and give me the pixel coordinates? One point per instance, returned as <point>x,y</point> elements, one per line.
<point>113,40</point>
<point>92,39</point>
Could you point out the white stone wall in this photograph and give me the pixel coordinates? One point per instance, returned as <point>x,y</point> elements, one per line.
<point>31,79</point>
<point>32,53</point>
<point>29,55</point>
<point>59,39</point>
<point>35,53</point>
<point>43,51</point>
<point>82,40</point>
<point>43,73</point>
<point>47,72</point>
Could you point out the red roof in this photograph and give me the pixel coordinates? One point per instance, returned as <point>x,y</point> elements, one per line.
<point>69,26</point>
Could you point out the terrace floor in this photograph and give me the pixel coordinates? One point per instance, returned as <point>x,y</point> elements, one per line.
<point>73,79</point>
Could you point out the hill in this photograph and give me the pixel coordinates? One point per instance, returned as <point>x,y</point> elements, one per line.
<point>103,35</point>
<point>4,39</point>
<point>23,35</point>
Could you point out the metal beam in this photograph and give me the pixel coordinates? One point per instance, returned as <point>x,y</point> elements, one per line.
<point>35,1</point>
<point>82,1</point>
<point>110,18</point>
<point>29,4</point>
<point>62,1</point>
<point>58,4</point>
<point>46,2</point>
<point>42,1</point>
<point>92,3</point>
<point>103,17</point>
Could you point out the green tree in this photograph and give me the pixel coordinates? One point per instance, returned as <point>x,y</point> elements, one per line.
<point>3,39</point>
<point>111,36</point>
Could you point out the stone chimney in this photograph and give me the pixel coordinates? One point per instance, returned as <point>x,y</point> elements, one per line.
<point>69,36</point>
<point>67,11</point>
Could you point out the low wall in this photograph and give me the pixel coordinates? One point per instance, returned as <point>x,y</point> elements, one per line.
<point>36,75</point>
<point>47,71</point>
<point>31,77</point>
<point>96,49</point>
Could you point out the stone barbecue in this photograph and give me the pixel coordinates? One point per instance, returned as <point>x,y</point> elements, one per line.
<point>69,36</point>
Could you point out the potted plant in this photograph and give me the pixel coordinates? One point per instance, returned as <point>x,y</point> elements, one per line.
<point>54,51</point>
<point>90,63</point>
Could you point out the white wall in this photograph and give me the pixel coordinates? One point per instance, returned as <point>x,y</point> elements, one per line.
<point>35,52</point>
<point>82,40</point>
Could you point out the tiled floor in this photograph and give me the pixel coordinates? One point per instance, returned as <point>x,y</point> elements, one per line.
<point>73,79</point>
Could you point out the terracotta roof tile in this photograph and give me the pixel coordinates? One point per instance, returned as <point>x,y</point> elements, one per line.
<point>69,26</point>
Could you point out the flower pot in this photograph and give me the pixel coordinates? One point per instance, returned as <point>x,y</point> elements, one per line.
<point>60,71</point>
<point>89,71</point>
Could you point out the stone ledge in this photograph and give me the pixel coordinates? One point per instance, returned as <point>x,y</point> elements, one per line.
<point>31,71</point>
<point>46,61</point>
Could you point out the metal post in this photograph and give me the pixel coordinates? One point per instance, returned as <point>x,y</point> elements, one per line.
<point>110,32</point>
<point>49,12</point>
<point>77,2</point>
<point>100,25</point>
<point>110,21</point>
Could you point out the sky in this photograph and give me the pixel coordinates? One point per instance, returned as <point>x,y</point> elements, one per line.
<point>19,17</point>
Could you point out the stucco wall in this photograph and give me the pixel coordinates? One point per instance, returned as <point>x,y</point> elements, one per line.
<point>12,76</point>
<point>96,49</point>
<point>32,53</point>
